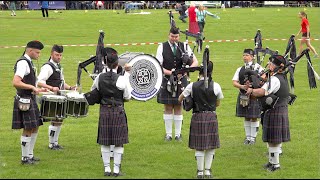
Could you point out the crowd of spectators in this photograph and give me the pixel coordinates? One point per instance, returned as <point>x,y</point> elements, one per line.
<point>77,5</point>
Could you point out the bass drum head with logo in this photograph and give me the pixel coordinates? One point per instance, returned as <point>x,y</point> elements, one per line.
<point>146,77</point>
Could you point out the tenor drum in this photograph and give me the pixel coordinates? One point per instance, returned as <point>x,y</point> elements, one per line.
<point>77,105</point>
<point>146,74</point>
<point>53,107</point>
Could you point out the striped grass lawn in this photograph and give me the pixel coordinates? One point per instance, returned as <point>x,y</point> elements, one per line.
<point>147,156</point>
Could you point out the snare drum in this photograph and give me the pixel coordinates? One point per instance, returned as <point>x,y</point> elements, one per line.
<point>53,107</point>
<point>77,105</point>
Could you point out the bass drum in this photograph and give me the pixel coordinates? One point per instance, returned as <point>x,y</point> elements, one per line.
<point>146,74</point>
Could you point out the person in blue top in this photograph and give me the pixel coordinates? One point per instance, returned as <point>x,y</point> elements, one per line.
<point>201,16</point>
<point>44,7</point>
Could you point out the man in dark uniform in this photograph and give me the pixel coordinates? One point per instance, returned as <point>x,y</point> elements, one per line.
<point>181,8</point>
<point>204,135</point>
<point>51,77</point>
<point>247,107</point>
<point>26,118</point>
<point>275,120</point>
<point>169,55</point>
<point>114,89</point>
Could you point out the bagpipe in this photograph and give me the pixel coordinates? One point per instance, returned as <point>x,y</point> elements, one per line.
<point>197,43</point>
<point>174,80</point>
<point>259,49</point>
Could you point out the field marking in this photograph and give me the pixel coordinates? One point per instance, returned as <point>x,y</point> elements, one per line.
<point>155,43</point>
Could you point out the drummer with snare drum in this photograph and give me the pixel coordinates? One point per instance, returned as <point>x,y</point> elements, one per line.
<point>51,77</point>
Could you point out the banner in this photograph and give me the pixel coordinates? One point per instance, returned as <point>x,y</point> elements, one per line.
<point>279,3</point>
<point>52,5</point>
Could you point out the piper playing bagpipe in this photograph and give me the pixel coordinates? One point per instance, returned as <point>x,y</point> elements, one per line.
<point>170,57</point>
<point>247,106</point>
<point>205,96</point>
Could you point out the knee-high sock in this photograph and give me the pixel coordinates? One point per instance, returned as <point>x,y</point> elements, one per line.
<point>254,129</point>
<point>247,128</point>
<point>208,157</point>
<point>105,151</point>
<point>56,135</point>
<point>32,143</point>
<point>200,161</point>
<point>168,118</point>
<point>25,146</point>
<point>280,145</point>
<point>177,124</point>
<point>274,155</point>
<point>52,131</point>
<point>118,151</point>
<point>111,150</point>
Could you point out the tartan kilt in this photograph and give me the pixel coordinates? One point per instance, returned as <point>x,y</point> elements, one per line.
<point>204,131</point>
<point>253,110</point>
<point>193,27</point>
<point>26,119</point>
<point>165,97</point>
<point>113,127</point>
<point>276,125</point>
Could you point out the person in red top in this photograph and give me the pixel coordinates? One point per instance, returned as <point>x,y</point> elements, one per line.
<point>305,30</point>
<point>193,24</point>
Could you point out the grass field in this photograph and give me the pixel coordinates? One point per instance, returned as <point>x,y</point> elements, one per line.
<point>147,156</point>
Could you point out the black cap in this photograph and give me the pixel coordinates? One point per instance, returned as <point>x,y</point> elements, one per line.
<point>277,60</point>
<point>112,54</point>
<point>57,48</point>
<point>174,30</point>
<point>35,45</point>
<point>248,51</point>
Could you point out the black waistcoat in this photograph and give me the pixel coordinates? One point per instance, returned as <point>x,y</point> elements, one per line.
<point>55,79</point>
<point>203,99</point>
<point>283,92</point>
<point>28,79</point>
<point>242,76</point>
<point>169,60</point>
<point>109,92</point>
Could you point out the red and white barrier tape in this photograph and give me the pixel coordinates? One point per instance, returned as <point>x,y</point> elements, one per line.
<point>155,43</point>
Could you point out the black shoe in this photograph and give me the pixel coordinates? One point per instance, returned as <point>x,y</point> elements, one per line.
<point>27,160</point>
<point>266,166</point>
<point>118,174</point>
<point>208,176</point>
<point>59,146</point>
<point>53,147</point>
<point>246,141</point>
<point>35,159</point>
<point>178,138</point>
<point>199,176</point>
<point>107,173</point>
<point>252,141</point>
<point>273,168</point>
<point>167,138</point>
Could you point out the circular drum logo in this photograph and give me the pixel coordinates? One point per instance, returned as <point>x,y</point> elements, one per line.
<point>145,77</point>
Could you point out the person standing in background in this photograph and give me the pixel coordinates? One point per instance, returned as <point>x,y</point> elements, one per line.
<point>44,7</point>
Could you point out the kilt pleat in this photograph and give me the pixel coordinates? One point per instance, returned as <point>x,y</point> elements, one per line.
<point>253,110</point>
<point>165,97</point>
<point>204,131</point>
<point>276,125</point>
<point>26,119</point>
<point>113,127</point>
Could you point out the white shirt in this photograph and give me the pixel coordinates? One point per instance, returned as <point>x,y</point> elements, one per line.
<point>275,85</point>
<point>256,67</point>
<point>160,51</point>
<point>122,84</point>
<point>23,67</point>
<point>47,71</point>
<point>216,88</point>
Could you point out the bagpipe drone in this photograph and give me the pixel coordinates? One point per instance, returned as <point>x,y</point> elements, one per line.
<point>257,80</point>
